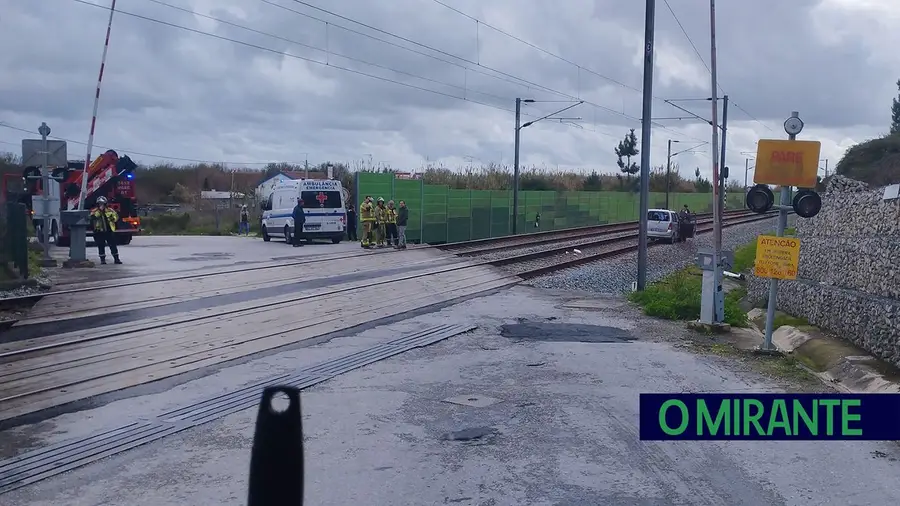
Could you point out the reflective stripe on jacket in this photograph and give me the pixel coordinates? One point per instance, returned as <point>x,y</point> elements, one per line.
<point>111,217</point>
<point>367,212</point>
<point>379,214</point>
<point>390,215</point>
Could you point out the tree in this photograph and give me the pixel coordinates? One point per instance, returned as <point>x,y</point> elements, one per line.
<point>895,113</point>
<point>626,149</point>
<point>206,184</point>
<point>593,182</point>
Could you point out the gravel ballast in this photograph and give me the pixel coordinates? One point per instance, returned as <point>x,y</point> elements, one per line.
<point>615,275</point>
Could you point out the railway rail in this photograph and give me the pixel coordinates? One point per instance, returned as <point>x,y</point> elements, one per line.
<point>495,244</point>
<point>612,243</point>
<point>465,248</point>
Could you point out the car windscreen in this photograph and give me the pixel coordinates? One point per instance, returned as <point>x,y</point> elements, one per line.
<point>327,200</point>
<point>658,216</point>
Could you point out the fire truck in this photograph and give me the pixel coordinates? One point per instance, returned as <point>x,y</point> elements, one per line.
<point>110,176</point>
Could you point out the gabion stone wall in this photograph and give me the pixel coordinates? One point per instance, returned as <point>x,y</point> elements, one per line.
<point>849,277</point>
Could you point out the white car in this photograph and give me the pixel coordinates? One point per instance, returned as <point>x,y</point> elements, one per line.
<point>662,225</point>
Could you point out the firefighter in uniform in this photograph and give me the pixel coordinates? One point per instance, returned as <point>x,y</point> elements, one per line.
<point>104,220</point>
<point>391,224</point>
<point>367,216</point>
<point>380,217</point>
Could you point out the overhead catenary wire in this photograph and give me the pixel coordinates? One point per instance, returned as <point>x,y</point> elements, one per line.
<point>311,60</point>
<point>129,151</point>
<point>708,69</point>
<point>476,63</point>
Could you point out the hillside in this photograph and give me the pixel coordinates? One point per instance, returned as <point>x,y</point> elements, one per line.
<point>875,161</point>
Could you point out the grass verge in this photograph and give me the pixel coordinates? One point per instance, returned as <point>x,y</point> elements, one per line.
<point>677,297</point>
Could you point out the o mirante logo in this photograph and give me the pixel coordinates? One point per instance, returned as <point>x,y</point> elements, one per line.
<point>769,416</point>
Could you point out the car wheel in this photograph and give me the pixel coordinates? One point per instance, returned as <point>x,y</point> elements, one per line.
<point>287,235</point>
<point>265,235</point>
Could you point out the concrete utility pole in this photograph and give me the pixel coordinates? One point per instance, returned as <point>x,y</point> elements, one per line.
<point>668,169</point>
<point>646,115</point>
<point>515,213</point>
<point>519,127</point>
<point>722,160</point>
<point>717,298</point>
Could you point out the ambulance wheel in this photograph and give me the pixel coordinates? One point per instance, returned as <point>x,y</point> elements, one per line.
<point>287,234</point>
<point>335,240</point>
<point>265,235</point>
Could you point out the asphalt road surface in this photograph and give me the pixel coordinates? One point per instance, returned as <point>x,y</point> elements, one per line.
<point>560,427</point>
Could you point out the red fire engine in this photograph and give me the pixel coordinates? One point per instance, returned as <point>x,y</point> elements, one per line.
<point>109,176</point>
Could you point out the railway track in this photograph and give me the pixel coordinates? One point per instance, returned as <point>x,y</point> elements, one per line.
<point>467,248</point>
<point>495,244</point>
<point>598,247</point>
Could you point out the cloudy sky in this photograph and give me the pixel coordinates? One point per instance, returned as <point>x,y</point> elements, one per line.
<point>410,82</point>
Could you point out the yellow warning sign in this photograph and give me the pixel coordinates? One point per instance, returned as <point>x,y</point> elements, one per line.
<point>787,163</point>
<point>777,257</point>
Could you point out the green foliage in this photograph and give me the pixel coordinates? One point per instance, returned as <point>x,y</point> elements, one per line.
<point>895,113</point>
<point>677,297</point>
<point>627,149</point>
<point>876,161</point>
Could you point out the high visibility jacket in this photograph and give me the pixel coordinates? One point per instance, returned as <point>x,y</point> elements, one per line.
<point>390,215</point>
<point>379,214</point>
<point>100,224</point>
<point>367,211</point>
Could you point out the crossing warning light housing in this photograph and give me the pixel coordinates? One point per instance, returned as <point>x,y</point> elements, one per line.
<point>760,199</point>
<point>807,203</point>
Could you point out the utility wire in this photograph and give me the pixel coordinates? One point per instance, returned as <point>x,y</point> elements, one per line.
<point>533,46</point>
<point>311,60</point>
<point>132,152</point>
<point>477,64</point>
<point>703,61</point>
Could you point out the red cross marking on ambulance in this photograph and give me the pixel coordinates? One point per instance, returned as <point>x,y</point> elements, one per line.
<point>321,197</point>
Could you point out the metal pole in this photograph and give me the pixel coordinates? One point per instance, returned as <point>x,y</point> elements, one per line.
<point>746,171</point>
<point>515,219</point>
<point>649,30</point>
<point>668,168</point>
<point>717,218</point>
<point>90,142</point>
<point>773,283</point>
<point>44,130</point>
<point>826,168</point>
<point>306,166</point>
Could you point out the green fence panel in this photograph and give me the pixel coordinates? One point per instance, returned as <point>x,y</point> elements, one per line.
<point>434,213</point>
<point>501,213</point>
<point>410,192</point>
<point>439,214</point>
<point>481,214</point>
<point>459,215</point>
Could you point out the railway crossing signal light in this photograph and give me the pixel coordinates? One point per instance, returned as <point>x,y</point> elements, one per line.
<point>760,199</point>
<point>807,203</point>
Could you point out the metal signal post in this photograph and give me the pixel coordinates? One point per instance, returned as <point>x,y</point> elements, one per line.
<point>649,30</point>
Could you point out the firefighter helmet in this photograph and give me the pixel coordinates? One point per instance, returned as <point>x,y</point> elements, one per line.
<point>101,200</point>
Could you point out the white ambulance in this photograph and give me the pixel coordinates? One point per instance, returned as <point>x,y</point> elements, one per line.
<point>324,204</point>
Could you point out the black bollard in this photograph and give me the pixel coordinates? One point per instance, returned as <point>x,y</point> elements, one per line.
<point>276,464</point>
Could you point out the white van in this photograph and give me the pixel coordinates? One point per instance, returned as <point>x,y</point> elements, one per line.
<point>324,205</point>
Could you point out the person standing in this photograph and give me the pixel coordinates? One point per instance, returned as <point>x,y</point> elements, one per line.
<point>402,220</point>
<point>380,222</point>
<point>244,225</point>
<point>299,216</point>
<point>367,215</point>
<point>104,220</point>
<point>351,222</point>
<point>390,218</point>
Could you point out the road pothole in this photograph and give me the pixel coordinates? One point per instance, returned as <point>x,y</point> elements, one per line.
<point>565,332</point>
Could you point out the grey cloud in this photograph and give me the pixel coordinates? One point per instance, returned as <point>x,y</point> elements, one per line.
<point>181,94</point>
